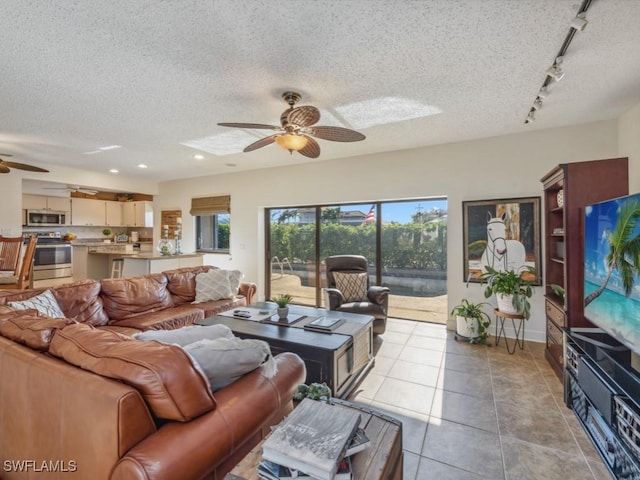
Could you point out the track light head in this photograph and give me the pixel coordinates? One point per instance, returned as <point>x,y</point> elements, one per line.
<point>531,117</point>
<point>555,70</point>
<point>543,93</point>
<point>537,104</point>
<point>579,22</point>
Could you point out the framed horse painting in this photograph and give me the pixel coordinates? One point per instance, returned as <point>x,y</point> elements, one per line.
<point>502,234</point>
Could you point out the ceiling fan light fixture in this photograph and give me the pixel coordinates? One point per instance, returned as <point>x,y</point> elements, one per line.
<point>292,142</point>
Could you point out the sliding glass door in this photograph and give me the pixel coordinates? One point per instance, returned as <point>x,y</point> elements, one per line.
<point>404,243</point>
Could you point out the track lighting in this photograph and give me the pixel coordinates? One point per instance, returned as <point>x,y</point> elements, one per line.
<point>580,21</point>
<point>555,73</point>
<point>531,117</point>
<point>537,104</point>
<point>555,70</point>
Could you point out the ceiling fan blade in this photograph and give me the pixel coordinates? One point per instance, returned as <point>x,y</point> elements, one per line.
<point>336,134</point>
<point>24,166</point>
<point>4,169</point>
<point>250,125</point>
<point>5,155</point>
<point>303,116</point>
<point>263,142</point>
<point>311,149</point>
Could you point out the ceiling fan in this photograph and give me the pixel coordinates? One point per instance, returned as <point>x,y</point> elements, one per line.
<point>297,128</point>
<point>6,166</point>
<point>74,189</point>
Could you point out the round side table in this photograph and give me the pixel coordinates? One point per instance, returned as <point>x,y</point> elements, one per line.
<point>500,319</point>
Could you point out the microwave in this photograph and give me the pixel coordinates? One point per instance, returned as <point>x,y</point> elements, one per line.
<point>45,218</point>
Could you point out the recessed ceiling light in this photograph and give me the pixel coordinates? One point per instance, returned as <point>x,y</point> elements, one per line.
<point>142,165</point>
<point>109,147</point>
<point>114,170</point>
<point>199,157</point>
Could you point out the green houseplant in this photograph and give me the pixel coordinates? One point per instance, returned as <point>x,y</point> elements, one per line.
<point>283,302</point>
<point>472,321</point>
<point>511,289</point>
<point>107,233</point>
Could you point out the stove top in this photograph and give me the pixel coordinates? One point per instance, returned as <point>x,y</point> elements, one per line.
<point>45,238</point>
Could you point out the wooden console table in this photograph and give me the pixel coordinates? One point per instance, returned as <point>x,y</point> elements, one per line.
<point>382,460</point>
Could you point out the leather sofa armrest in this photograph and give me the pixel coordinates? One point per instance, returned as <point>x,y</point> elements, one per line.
<point>248,290</point>
<point>193,450</point>
<point>379,295</point>
<point>333,298</point>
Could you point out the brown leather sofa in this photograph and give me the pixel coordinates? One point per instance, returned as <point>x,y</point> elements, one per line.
<point>79,398</point>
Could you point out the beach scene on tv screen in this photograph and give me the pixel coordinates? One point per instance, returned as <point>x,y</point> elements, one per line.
<point>612,268</point>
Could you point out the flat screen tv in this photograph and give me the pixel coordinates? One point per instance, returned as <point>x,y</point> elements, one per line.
<point>612,268</point>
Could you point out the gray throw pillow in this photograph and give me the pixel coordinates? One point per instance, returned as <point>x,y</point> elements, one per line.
<point>186,335</point>
<point>225,360</point>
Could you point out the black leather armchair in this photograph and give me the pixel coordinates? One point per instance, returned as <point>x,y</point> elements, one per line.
<point>377,301</point>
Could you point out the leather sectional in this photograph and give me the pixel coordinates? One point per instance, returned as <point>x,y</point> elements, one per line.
<point>81,399</point>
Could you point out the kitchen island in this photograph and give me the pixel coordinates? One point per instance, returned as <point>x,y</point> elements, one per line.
<point>144,263</point>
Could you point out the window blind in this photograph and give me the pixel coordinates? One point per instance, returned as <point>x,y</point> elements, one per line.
<point>210,205</point>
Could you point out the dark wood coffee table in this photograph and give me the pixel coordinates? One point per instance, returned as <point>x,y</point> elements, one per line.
<point>340,358</point>
<point>382,460</point>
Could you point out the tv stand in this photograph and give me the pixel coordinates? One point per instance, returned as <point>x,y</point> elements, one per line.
<point>603,390</point>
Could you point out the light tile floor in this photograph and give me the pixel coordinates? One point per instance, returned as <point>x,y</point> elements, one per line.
<point>472,412</point>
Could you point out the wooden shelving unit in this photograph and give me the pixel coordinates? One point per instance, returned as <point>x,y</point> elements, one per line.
<point>581,184</point>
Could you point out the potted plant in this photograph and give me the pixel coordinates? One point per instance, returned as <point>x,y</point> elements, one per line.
<point>315,391</point>
<point>283,302</point>
<point>472,321</point>
<point>511,289</point>
<point>107,233</point>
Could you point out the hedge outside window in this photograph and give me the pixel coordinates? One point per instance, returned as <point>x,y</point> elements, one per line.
<point>212,223</point>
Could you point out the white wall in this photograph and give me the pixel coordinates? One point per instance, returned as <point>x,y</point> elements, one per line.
<point>629,144</point>
<point>499,167</point>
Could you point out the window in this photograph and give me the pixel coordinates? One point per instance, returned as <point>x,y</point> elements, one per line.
<point>212,233</point>
<point>404,242</point>
<point>212,223</point>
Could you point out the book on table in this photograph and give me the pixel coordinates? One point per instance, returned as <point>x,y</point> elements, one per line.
<point>358,443</point>
<point>324,324</point>
<point>312,439</point>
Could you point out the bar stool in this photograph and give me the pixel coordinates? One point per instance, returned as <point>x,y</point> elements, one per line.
<point>116,267</point>
<point>500,318</point>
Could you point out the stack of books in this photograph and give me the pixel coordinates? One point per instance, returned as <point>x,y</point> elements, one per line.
<point>315,441</point>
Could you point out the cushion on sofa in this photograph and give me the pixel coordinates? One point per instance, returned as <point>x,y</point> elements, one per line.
<point>182,282</point>
<point>131,296</point>
<point>45,303</point>
<point>186,335</point>
<point>225,360</point>
<point>27,328</point>
<point>164,374</point>
<point>81,302</point>
<point>352,285</point>
<point>167,319</point>
<point>217,284</point>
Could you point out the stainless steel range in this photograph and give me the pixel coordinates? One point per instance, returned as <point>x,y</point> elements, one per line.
<point>53,258</point>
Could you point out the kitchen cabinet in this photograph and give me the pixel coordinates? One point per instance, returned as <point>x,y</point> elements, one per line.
<point>113,214</point>
<point>137,214</point>
<point>87,212</point>
<point>146,263</point>
<point>43,202</point>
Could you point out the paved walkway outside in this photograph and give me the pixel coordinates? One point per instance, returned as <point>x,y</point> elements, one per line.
<point>423,309</point>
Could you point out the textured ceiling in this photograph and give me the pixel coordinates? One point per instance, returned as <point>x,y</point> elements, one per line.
<point>152,76</point>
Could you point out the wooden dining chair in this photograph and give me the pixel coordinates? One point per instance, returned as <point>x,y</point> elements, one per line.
<point>22,279</point>
<point>10,249</point>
